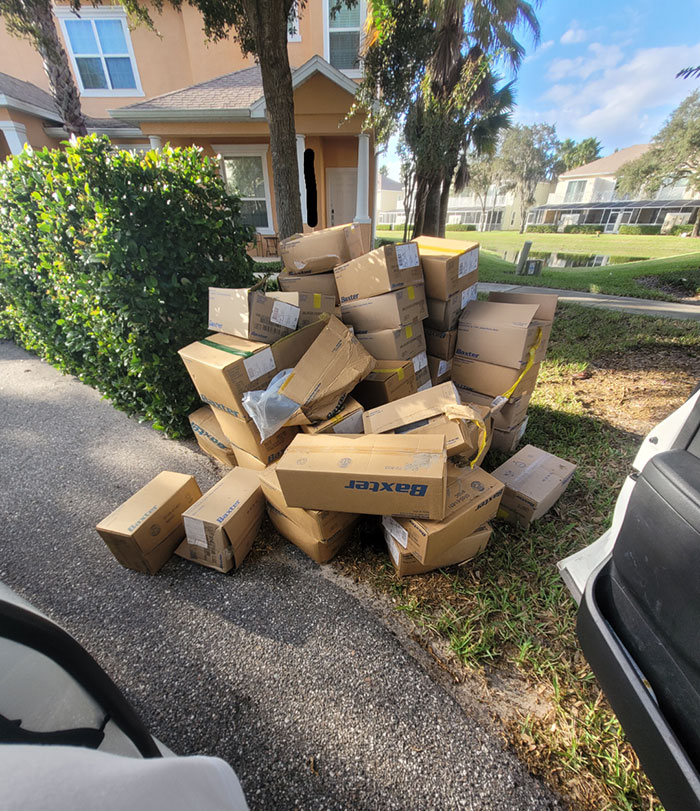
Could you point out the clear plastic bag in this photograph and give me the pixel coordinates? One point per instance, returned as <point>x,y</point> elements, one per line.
<point>269,409</point>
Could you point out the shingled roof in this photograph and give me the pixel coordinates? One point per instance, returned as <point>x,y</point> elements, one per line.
<point>608,165</point>
<point>28,93</point>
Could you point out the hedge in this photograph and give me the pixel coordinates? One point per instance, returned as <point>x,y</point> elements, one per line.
<point>640,229</point>
<point>384,226</point>
<point>595,228</point>
<point>677,230</point>
<point>462,227</point>
<point>542,229</point>
<point>106,258</point>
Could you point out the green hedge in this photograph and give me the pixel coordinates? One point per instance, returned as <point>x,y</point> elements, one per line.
<point>105,261</point>
<point>542,229</point>
<point>463,227</point>
<point>584,229</point>
<point>637,230</point>
<point>384,226</point>
<point>677,230</point>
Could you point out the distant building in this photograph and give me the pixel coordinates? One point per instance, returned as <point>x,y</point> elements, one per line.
<point>500,211</point>
<point>588,195</point>
<point>389,200</point>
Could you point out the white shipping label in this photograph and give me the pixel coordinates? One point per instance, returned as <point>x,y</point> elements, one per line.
<point>195,531</point>
<point>395,530</point>
<point>464,264</point>
<point>444,367</point>
<point>474,259</point>
<point>393,548</point>
<point>259,364</point>
<point>420,362</point>
<point>350,425</point>
<point>407,255</point>
<point>468,295</point>
<point>284,314</point>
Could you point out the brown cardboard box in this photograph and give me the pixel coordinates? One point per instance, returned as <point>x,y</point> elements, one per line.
<point>311,305</point>
<point>406,564</point>
<point>210,437</point>
<point>221,526</point>
<point>506,416</point>
<point>402,343</point>
<point>388,311</point>
<point>389,380</point>
<point>487,378</point>
<point>546,302</point>
<point>419,406</point>
<point>423,380</point>
<point>464,428</point>
<point>323,283</point>
<point>441,343</point>
<point>507,441</point>
<point>318,551</point>
<point>501,333</point>
<point>347,421</point>
<point>248,461</point>
<point>228,310</point>
<point>375,475</point>
<point>320,251</point>
<point>246,437</point>
<point>334,364</point>
<point>388,268</point>
<point>440,370</point>
<point>143,532</point>
<point>534,481</point>
<point>224,367</point>
<point>444,315</point>
<point>449,265</point>
<point>474,496</point>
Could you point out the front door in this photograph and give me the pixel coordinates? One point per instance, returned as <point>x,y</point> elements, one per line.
<point>341,195</point>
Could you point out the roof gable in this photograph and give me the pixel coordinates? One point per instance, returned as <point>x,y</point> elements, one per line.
<point>609,165</point>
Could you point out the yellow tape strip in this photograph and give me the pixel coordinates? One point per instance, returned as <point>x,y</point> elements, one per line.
<point>411,293</point>
<point>317,301</point>
<point>530,360</point>
<point>399,370</point>
<point>482,442</point>
<point>409,331</point>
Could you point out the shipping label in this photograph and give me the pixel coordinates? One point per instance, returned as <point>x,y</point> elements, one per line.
<point>259,364</point>
<point>420,361</point>
<point>468,295</point>
<point>407,255</point>
<point>395,530</point>
<point>196,532</point>
<point>285,314</point>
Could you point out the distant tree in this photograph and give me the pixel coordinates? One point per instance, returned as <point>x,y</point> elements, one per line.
<point>674,155</point>
<point>571,154</point>
<point>528,156</point>
<point>384,170</point>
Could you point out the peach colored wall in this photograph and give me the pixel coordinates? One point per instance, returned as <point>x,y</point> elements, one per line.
<point>35,129</point>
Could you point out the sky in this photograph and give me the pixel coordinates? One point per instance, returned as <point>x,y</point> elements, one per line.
<point>605,68</point>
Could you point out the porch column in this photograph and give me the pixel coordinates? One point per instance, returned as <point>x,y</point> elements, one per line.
<point>155,141</point>
<point>15,135</point>
<point>301,146</point>
<point>362,202</point>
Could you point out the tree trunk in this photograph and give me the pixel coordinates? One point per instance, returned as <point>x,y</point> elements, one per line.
<point>431,220</point>
<point>445,200</point>
<point>58,72</point>
<point>421,199</point>
<point>696,224</point>
<point>268,22</point>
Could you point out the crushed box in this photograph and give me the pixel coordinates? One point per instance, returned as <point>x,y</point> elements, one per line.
<point>508,440</point>
<point>319,251</point>
<point>534,481</point>
<point>323,283</point>
<point>143,532</point>
<point>408,410</point>
<point>388,311</point>
<point>444,315</point>
<point>382,270</point>
<point>375,475</point>
<point>221,526</point>
<point>347,421</point>
<point>210,438</point>
<point>389,380</point>
<point>440,343</point>
<point>465,428</point>
<point>403,343</point>
<point>490,379</point>
<point>245,436</point>
<point>449,265</point>
<point>406,564</point>
<point>505,415</point>
<point>440,370</point>
<point>247,460</point>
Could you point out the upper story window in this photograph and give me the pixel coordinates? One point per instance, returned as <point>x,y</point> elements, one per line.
<point>345,36</point>
<point>99,46</point>
<point>574,191</point>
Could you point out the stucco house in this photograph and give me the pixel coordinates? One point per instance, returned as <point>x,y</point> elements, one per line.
<point>145,89</point>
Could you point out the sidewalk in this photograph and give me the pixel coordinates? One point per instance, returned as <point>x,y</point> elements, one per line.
<point>637,306</point>
<point>307,691</point>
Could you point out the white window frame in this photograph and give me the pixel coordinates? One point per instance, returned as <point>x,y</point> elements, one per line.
<point>296,36</point>
<point>351,73</point>
<point>570,185</point>
<point>64,13</point>
<point>242,151</point>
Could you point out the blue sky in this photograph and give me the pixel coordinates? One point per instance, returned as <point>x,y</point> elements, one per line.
<point>606,68</point>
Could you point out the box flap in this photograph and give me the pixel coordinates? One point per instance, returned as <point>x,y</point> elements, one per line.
<point>534,473</point>
<point>546,302</point>
<point>496,314</point>
<point>435,246</point>
<point>220,350</point>
<point>409,409</point>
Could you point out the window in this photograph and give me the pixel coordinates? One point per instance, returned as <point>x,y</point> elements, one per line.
<point>245,173</point>
<point>574,191</point>
<point>100,49</point>
<point>345,35</point>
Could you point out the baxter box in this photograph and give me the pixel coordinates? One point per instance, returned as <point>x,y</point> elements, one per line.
<point>444,315</point>
<point>347,421</point>
<point>388,311</point>
<point>408,410</point>
<point>375,475</point>
<point>508,440</point>
<point>508,415</point>
<point>449,265</point>
<point>402,343</point>
<point>224,367</point>
<point>465,429</point>
<point>389,380</point>
<point>406,564</point>
<point>143,532</point>
<point>490,379</point>
<point>210,438</point>
<point>245,436</point>
<point>221,526</point>
<point>440,343</point>
<point>440,370</point>
<point>322,283</point>
<point>388,268</point>
<point>248,461</point>
<point>534,481</point>
<point>319,251</point>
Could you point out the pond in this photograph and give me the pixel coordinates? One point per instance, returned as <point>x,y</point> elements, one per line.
<point>561,259</point>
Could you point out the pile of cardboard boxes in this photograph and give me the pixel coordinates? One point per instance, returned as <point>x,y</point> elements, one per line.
<point>372,384</point>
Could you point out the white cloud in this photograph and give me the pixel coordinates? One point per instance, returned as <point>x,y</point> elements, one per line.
<point>573,34</point>
<point>545,46</point>
<point>599,57</point>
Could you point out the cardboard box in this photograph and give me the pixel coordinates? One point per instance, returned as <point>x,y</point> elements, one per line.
<point>319,551</point>
<point>323,250</point>
<point>248,461</point>
<point>508,440</point>
<point>246,437</point>
<point>389,380</point>
<point>534,481</point>
<point>444,315</point>
<point>388,311</point>
<point>449,265</point>
<point>408,410</point>
<point>347,421</point>
<point>490,379</point>
<point>440,370</point>
<point>473,500</point>
<point>505,416</point>
<point>311,305</point>
<point>388,268</point>
<point>221,526</point>
<point>501,333</point>
<point>375,475</point>
<point>143,532</point>
<point>546,302</point>
<point>406,564</point>
<point>210,438</point>
<point>402,343</point>
<point>331,368</point>
<point>224,367</point>
<point>464,428</point>
<point>440,343</point>
<point>323,283</point>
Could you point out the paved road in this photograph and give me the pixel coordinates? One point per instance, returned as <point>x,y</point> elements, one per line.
<point>269,668</point>
<point>625,304</point>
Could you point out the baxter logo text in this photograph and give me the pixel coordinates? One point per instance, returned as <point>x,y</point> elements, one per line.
<point>388,487</point>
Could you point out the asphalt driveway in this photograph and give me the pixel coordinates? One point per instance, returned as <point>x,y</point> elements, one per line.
<point>276,668</point>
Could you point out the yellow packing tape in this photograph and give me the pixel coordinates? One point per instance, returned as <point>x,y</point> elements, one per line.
<point>530,360</point>
<point>411,292</point>
<point>409,331</point>
<point>317,301</point>
<point>398,370</point>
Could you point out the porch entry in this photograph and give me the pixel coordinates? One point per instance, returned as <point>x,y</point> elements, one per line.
<point>341,195</point>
